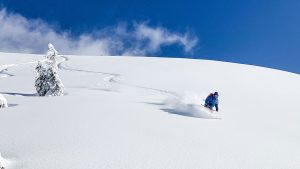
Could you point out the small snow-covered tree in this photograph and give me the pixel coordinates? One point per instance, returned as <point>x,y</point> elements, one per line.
<point>41,82</point>
<point>52,52</point>
<point>55,84</point>
<point>51,55</point>
<point>3,101</point>
<point>47,82</point>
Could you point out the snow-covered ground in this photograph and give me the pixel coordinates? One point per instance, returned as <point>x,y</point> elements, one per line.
<point>143,113</point>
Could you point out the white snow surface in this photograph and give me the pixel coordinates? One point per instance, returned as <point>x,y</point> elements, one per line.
<point>145,113</point>
<point>3,101</point>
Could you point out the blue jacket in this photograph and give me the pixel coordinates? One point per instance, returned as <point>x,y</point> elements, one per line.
<point>212,101</point>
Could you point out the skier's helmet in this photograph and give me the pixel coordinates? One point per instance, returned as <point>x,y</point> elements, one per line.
<point>216,94</point>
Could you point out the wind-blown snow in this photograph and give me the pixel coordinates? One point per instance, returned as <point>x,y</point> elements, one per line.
<point>136,112</point>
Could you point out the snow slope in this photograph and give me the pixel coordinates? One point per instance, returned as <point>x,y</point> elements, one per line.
<point>140,112</point>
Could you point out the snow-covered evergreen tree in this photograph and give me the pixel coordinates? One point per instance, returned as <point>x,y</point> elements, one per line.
<point>51,55</point>
<point>55,84</point>
<point>48,82</point>
<point>41,82</point>
<point>3,101</point>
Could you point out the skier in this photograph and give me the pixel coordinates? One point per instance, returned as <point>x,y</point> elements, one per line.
<point>212,101</point>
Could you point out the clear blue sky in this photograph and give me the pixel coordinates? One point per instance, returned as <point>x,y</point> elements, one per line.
<point>258,32</point>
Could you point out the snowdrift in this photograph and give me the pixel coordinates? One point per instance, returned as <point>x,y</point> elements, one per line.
<point>139,112</point>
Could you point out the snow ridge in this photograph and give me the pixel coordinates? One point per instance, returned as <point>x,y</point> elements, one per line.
<point>175,104</point>
<point>137,124</point>
<point>112,78</point>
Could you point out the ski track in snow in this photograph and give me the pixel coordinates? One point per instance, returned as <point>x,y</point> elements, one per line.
<point>66,67</point>
<point>5,74</point>
<point>112,132</point>
<point>177,106</point>
<point>112,78</point>
<point>4,68</point>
